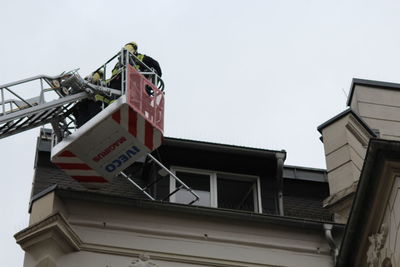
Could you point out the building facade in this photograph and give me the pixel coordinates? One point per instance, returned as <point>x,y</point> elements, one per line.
<point>253,209</point>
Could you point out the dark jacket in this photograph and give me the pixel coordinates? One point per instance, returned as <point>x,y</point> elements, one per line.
<point>152,63</point>
<point>149,61</point>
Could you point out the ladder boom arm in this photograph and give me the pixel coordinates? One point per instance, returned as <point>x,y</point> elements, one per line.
<point>43,107</point>
<point>31,117</point>
<point>37,77</point>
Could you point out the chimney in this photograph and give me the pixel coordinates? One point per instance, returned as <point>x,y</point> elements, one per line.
<point>374,111</point>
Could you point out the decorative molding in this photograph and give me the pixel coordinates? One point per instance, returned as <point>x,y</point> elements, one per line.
<point>143,261</point>
<point>185,235</point>
<point>54,227</point>
<point>387,262</point>
<point>377,241</point>
<point>168,257</point>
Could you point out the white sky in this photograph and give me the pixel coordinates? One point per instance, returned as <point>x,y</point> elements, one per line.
<point>253,73</point>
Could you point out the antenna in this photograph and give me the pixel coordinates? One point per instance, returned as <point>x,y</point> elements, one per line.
<point>344,92</point>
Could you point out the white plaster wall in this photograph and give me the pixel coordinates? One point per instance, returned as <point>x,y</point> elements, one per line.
<point>380,108</point>
<point>388,129</point>
<point>342,177</point>
<point>345,143</point>
<point>334,136</point>
<point>367,94</point>
<point>170,239</point>
<point>46,206</point>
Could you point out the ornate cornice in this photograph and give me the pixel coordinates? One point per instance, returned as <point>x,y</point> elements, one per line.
<point>53,227</point>
<point>168,233</point>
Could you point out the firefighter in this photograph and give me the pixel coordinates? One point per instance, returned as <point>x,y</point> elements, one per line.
<point>86,109</point>
<point>132,47</point>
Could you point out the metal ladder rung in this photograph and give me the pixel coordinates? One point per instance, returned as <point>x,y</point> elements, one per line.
<point>36,115</point>
<point>9,127</point>
<point>6,125</point>
<point>17,125</point>
<point>43,107</point>
<point>39,116</point>
<point>49,114</point>
<point>28,122</point>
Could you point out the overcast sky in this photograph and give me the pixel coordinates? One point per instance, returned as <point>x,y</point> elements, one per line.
<point>262,74</point>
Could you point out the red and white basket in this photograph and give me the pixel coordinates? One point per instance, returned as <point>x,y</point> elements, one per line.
<point>125,131</point>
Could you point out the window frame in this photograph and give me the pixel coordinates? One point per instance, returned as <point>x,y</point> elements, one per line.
<point>213,184</point>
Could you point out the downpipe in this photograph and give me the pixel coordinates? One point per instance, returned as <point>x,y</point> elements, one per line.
<point>279,177</point>
<point>331,242</point>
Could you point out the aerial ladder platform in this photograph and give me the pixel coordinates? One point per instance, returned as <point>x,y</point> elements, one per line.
<point>126,130</point>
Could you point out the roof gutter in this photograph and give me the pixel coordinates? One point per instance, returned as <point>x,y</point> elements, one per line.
<point>280,158</point>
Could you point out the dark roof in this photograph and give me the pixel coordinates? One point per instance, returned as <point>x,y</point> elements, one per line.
<point>304,199</point>
<point>50,175</point>
<point>304,190</point>
<point>343,114</point>
<point>209,156</point>
<point>379,152</point>
<point>306,207</point>
<point>47,174</point>
<point>370,83</point>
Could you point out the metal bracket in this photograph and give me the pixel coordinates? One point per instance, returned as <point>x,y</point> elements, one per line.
<point>182,186</point>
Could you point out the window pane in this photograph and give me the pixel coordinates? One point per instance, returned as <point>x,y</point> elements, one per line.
<point>236,194</point>
<point>199,183</point>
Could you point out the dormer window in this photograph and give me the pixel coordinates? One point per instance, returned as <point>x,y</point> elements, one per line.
<point>218,189</point>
